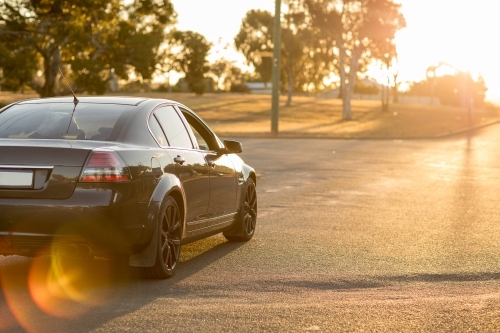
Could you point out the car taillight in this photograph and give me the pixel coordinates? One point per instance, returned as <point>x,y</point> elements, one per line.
<point>105,166</point>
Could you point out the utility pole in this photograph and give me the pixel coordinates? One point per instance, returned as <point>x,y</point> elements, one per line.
<point>276,69</point>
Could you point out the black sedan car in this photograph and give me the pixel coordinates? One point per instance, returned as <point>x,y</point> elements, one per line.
<point>115,176</point>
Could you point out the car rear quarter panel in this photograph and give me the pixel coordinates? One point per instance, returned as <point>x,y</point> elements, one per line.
<point>244,172</point>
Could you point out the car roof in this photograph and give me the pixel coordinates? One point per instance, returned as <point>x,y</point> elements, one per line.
<point>116,100</point>
<point>119,100</point>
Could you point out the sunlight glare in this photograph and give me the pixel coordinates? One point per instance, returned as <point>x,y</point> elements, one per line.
<point>456,32</point>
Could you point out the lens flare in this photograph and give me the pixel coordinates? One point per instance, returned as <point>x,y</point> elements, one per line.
<point>54,292</point>
<point>55,287</point>
<point>68,287</point>
<point>14,281</point>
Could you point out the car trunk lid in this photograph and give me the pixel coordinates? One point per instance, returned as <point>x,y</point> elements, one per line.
<point>46,169</point>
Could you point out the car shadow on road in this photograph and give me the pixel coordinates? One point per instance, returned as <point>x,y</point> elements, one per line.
<point>78,295</point>
<point>451,277</point>
<point>374,282</point>
<point>340,285</point>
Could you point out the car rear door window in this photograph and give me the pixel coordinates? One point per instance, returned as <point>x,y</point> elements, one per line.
<point>173,127</point>
<point>206,140</point>
<point>202,144</point>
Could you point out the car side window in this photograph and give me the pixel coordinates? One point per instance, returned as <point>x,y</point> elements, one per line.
<point>202,144</point>
<point>174,128</point>
<point>206,141</point>
<point>157,131</point>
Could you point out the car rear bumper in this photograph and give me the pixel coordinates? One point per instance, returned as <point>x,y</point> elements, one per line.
<point>94,218</point>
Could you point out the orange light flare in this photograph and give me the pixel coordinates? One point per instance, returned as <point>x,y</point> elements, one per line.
<point>68,287</point>
<point>53,286</point>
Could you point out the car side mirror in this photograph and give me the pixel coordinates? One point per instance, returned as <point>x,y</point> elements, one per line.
<point>232,147</point>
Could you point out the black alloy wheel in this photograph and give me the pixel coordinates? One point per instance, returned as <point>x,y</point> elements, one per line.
<point>248,217</point>
<point>169,243</point>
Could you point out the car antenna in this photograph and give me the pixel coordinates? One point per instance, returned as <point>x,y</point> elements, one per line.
<point>75,100</point>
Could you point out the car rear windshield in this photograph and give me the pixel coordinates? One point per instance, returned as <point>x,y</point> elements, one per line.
<point>57,121</point>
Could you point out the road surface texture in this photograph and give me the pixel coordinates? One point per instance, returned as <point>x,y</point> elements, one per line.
<point>352,236</point>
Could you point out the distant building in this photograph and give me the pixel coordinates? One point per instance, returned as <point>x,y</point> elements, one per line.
<point>260,88</point>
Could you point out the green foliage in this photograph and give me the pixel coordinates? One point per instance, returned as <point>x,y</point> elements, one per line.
<point>305,61</point>
<point>220,71</point>
<point>226,74</point>
<point>17,67</point>
<point>90,37</point>
<point>191,58</point>
<point>135,86</point>
<point>256,35</point>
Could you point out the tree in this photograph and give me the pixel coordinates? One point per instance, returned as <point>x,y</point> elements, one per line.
<point>219,71</point>
<point>387,64</point>
<point>166,64</point>
<point>295,55</point>
<point>17,67</point>
<point>191,58</point>
<point>237,80</point>
<point>226,74</point>
<point>360,30</point>
<point>456,89</point>
<point>396,82</point>
<point>305,60</point>
<point>93,38</point>
<point>254,38</point>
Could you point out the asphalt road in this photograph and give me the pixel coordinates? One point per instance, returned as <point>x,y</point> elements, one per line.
<point>353,235</point>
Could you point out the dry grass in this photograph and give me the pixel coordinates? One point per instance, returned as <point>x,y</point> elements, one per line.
<point>7,97</point>
<point>249,115</point>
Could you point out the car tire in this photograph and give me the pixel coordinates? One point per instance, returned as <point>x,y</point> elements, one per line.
<point>247,219</point>
<point>168,244</point>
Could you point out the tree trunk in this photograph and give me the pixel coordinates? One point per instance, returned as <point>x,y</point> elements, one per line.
<point>386,92</point>
<point>51,63</point>
<point>349,85</point>
<point>395,93</point>
<point>341,69</point>
<point>113,81</point>
<point>384,97</point>
<point>395,89</point>
<point>388,95</point>
<point>291,84</point>
<point>346,105</point>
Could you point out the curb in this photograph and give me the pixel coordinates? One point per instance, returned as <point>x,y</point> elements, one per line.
<point>468,129</point>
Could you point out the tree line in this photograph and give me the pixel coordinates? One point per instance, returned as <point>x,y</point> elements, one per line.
<point>95,42</point>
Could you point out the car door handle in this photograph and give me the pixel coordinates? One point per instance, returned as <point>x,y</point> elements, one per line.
<point>179,159</point>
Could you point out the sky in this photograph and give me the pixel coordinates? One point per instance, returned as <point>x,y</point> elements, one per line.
<point>462,33</point>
